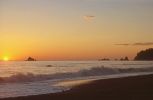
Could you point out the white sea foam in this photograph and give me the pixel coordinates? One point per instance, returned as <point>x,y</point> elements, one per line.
<point>96,71</point>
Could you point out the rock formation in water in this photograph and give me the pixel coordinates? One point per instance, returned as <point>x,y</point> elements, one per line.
<point>31,59</point>
<point>104,59</point>
<point>124,59</point>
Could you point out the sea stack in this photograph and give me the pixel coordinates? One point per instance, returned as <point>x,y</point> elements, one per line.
<point>31,59</point>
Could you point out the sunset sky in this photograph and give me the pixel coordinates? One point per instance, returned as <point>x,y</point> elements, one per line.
<point>74,29</point>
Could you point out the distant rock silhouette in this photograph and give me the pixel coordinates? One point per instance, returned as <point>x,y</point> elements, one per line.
<point>145,55</point>
<point>31,59</point>
<point>49,66</point>
<point>104,59</point>
<point>124,59</point>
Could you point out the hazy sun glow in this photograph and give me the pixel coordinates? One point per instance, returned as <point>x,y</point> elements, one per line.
<point>6,59</point>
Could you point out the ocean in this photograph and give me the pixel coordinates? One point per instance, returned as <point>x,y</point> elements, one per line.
<point>24,78</point>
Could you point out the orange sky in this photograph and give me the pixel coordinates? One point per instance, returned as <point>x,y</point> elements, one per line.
<point>74,29</point>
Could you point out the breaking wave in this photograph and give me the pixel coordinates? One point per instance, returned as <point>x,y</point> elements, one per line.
<point>97,71</point>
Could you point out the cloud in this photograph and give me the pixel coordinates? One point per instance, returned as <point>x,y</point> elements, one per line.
<point>137,44</point>
<point>88,18</point>
<point>145,43</point>
<point>125,44</point>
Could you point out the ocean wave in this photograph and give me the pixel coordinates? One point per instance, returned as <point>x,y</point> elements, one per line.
<point>97,71</point>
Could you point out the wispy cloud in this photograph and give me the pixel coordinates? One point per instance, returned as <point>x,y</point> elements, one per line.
<point>88,18</point>
<point>124,44</point>
<point>137,44</point>
<point>145,43</point>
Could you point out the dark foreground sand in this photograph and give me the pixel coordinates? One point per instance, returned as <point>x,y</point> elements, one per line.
<point>130,88</point>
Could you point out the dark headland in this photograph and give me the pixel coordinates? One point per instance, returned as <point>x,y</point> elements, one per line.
<point>128,88</point>
<point>145,55</point>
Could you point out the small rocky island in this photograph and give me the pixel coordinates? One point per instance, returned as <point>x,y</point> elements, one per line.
<point>30,59</point>
<point>145,55</point>
<point>124,59</point>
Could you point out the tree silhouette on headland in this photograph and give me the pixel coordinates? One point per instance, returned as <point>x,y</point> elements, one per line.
<point>145,55</point>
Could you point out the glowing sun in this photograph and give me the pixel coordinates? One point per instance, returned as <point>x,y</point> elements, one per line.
<point>6,59</point>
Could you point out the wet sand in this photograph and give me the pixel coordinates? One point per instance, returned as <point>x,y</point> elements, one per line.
<point>128,88</point>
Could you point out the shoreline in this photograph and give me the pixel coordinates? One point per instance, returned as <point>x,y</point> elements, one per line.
<point>127,88</point>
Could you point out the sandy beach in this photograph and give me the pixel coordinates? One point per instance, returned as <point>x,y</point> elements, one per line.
<point>128,88</point>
